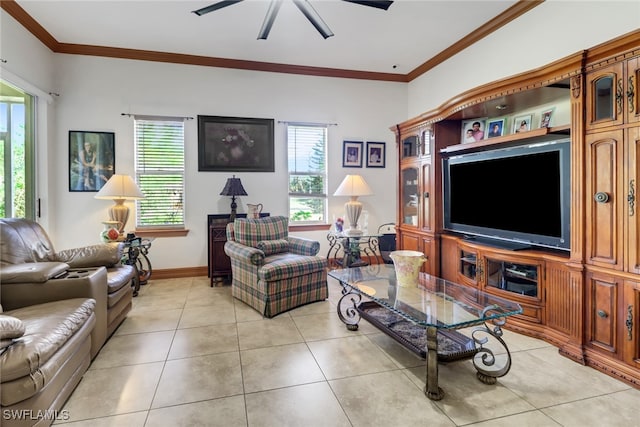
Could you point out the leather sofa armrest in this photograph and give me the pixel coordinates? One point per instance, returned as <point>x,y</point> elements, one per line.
<point>102,255</point>
<point>31,272</point>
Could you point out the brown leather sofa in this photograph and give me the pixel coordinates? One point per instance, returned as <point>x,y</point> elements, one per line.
<point>44,351</point>
<point>32,272</point>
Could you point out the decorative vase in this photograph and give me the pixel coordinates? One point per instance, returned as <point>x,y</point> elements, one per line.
<point>110,232</point>
<point>407,265</point>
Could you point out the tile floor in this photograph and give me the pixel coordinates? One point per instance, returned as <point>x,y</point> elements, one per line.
<point>191,355</point>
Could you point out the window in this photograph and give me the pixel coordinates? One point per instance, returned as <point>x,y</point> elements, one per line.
<point>159,149</point>
<point>17,191</point>
<point>307,147</point>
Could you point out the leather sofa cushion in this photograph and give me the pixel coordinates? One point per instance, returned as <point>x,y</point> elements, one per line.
<point>10,328</point>
<point>32,272</point>
<point>48,327</point>
<point>118,277</point>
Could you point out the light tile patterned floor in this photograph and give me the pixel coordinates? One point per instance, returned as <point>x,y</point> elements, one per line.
<point>191,355</point>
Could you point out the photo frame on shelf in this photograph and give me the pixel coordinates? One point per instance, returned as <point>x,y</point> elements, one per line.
<point>92,159</point>
<point>545,117</point>
<point>235,144</point>
<point>495,127</point>
<point>522,123</point>
<point>376,153</point>
<point>352,154</point>
<point>473,130</point>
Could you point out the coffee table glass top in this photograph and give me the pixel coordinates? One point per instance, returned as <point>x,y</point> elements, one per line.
<point>433,302</point>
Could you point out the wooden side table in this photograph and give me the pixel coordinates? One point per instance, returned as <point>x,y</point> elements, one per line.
<point>219,267</point>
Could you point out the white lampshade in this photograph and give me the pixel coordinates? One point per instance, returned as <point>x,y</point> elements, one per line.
<point>353,186</point>
<point>120,188</point>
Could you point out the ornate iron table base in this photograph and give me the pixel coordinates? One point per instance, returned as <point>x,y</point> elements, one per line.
<point>430,343</point>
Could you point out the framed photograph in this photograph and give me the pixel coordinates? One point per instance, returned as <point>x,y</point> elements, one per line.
<point>495,127</point>
<point>375,154</point>
<point>473,130</point>
<point>352,154</point>
<point>545,118</point>
<point>522,123</point>
<point>92,159</point>
<point>235,144</point>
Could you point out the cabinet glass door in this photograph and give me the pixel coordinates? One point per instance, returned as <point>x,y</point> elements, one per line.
<point>468,265</point>
<point>511,277</point>
<point>410,196</point>
<point>410,146</point>
<point>426,197</point>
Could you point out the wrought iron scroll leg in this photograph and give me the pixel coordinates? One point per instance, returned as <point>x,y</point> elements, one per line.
<point>486,357</point>
<point>349,313</point>
<point>431,389</point>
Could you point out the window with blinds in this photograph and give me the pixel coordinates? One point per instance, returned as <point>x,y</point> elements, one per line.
<point>307,149</point>
<point>159,150</point>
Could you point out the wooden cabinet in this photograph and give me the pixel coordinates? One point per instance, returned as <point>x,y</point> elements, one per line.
<point>219,265</point>
<point>612,95</point>
<point>631,324</point>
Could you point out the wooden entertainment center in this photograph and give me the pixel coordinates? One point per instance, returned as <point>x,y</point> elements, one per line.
<point>585,300</point>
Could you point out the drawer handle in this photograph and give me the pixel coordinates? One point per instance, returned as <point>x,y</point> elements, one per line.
<point>603,314</point>
<point>601,197</point>
<point>631,197</point>
<point>630,94</point>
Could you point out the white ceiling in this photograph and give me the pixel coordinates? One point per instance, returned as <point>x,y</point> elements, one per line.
<point>398,40</point>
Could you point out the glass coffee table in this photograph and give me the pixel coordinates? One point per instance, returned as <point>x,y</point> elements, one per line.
<point>425,319</point>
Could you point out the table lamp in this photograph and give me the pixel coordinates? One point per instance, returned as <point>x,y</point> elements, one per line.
<point>353,186</point>
<point>233,188</point>
<point>120,188</point>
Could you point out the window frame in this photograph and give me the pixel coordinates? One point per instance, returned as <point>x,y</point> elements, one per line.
<point>142,171</point>
<point>323,195</point>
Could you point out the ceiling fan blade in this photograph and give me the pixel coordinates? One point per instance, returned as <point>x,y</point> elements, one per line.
<point>372,3</point>
<point>215,6</point>
<point>313,17</point>
<point>274,7</point>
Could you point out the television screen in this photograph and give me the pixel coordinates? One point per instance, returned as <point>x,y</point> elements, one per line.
<point>518,194</point>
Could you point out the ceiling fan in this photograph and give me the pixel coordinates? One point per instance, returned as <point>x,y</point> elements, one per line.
<point>304,6</point>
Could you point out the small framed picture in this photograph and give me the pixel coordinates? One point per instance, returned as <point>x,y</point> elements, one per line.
<point>545,118</point>
<point>522,123</point>
<point>375,154</point>
<point>473,130</point>
<point>352,154</point>
<point>495,127</point>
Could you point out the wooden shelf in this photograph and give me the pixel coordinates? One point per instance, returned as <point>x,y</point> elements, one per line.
<point>504,141</point>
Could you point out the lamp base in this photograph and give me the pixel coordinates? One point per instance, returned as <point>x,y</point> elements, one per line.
<point>119,212</point>
<point>352,232</point>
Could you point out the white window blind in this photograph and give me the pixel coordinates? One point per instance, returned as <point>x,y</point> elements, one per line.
<point>159,149</point>
<point>307,149</point>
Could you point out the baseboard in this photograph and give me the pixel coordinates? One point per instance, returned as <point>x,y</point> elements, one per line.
<point>177,273</point>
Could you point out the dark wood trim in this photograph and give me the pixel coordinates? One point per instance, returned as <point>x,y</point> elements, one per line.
<point>20,15</point>
<point>179,273</point>
<point>518,9</point>
<point>314,227</point>
<point>161,232</point>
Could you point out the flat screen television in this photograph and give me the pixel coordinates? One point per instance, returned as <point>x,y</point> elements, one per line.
<point>514,197</point>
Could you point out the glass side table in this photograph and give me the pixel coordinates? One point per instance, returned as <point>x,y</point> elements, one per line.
<point>135,253</point>
<point>348,251</point>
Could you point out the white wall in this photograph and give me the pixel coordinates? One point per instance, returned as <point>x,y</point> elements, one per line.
<point>95,91</point>
<point>549,32</point>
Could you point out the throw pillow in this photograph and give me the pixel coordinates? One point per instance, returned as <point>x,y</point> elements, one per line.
<point>11,327</point>
<point>270,247</point>
<point>250,232</point>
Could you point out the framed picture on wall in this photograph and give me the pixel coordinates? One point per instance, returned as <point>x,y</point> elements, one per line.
<point>92,159</point>
<point>352,154</point>
<point>473,130</point>
<point>235,144</point>
<point>375,154</point>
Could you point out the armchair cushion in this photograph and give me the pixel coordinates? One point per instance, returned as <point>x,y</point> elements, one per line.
<point>270,247</point>
<point>31,272</point>
<point>286,266</point>
<point>250,232</point>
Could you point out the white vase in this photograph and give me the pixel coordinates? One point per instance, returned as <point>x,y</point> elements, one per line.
<point>407,265</point>
<point>110,232</point>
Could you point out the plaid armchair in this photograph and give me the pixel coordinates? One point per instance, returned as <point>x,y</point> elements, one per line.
<point>272,271</point>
